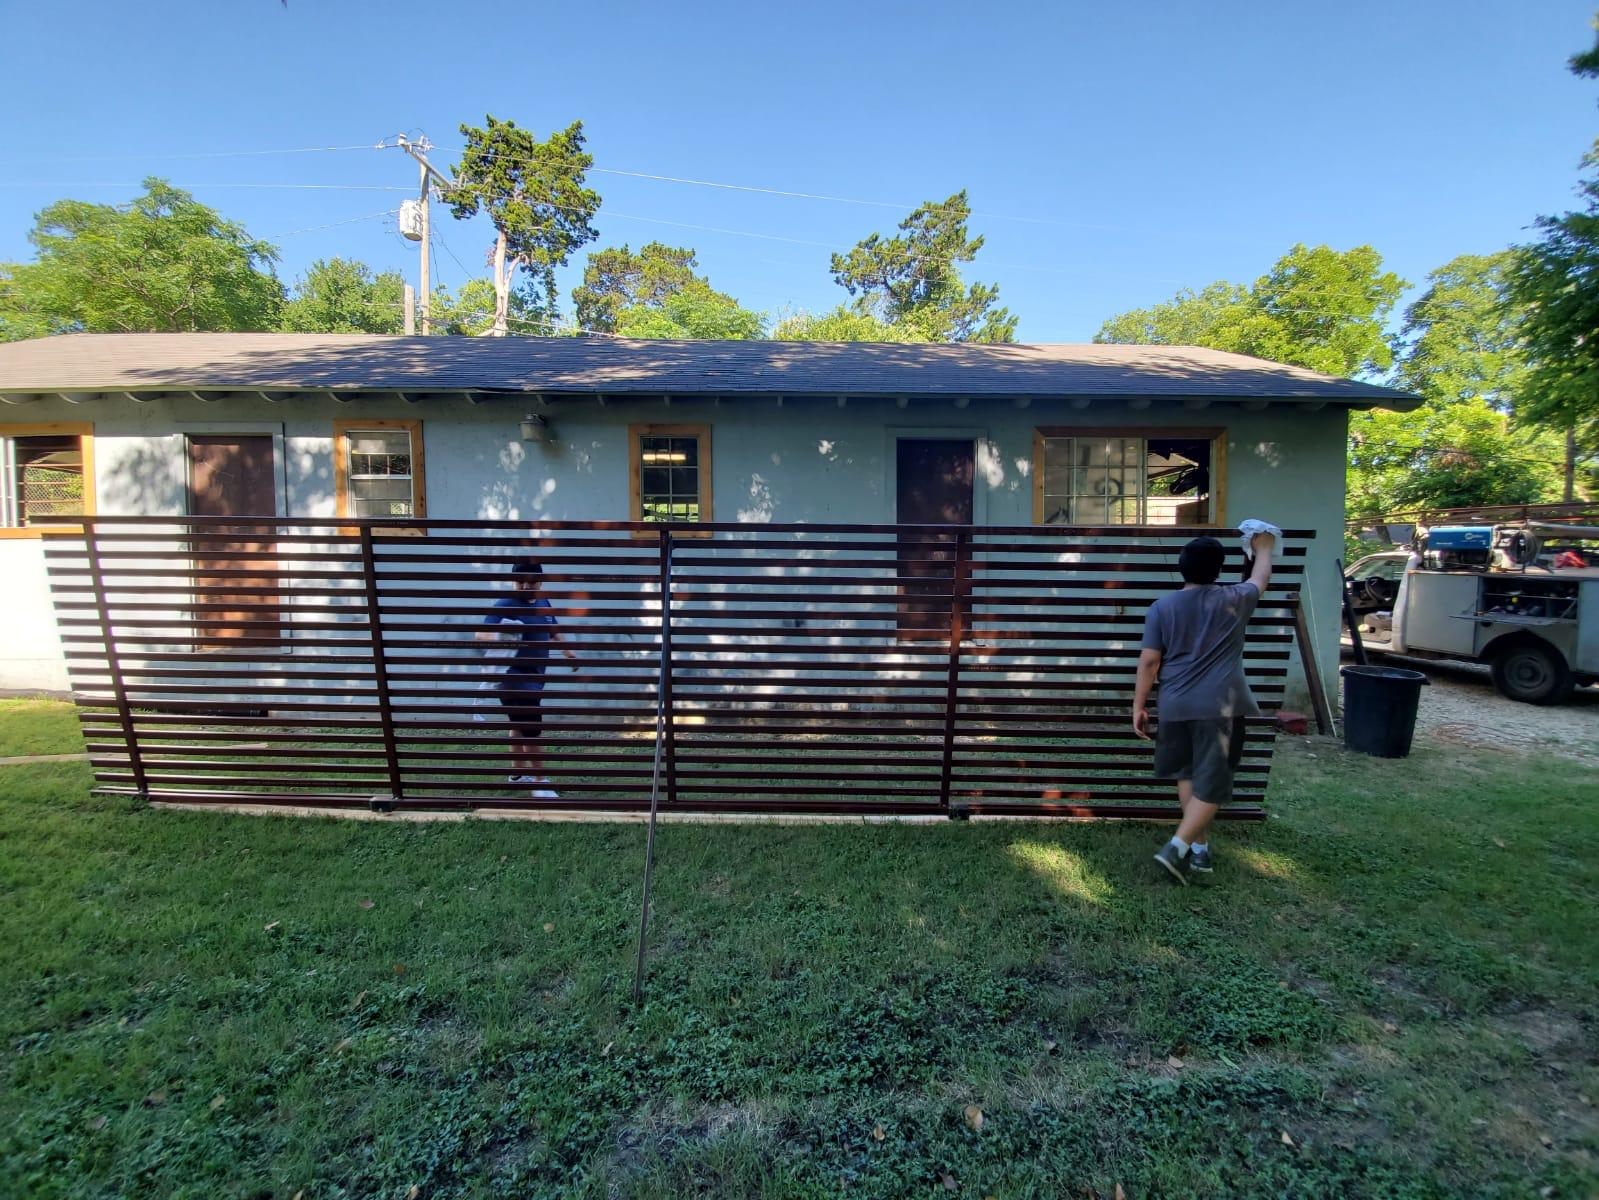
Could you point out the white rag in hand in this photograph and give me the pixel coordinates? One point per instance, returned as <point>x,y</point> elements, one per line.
<point>1250,528</point>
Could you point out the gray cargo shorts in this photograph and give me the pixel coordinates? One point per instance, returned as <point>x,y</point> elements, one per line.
<point>1203,752</point>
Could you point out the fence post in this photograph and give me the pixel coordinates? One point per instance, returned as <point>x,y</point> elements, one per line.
<point>668,670</point>
<point>663,735</point>
<point>380,668</point>
<point>960,587</point>
<point>130,737</point>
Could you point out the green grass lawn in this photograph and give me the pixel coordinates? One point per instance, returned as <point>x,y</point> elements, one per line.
<point>1390,989</point>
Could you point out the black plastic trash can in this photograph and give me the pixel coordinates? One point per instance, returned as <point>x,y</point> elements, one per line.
<point>1380,709</point>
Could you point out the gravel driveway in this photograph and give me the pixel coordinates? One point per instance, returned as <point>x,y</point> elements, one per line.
<point>1461,707</point>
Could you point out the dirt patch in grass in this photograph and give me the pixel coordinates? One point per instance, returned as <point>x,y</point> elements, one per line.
<point>1543,1031</point>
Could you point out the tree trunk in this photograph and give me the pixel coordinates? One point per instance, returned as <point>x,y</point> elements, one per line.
<point>502,290</point>
<point>1571,463</point>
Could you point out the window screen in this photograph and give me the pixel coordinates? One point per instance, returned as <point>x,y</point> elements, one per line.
<point>380,479</point>
<point>44,480</point>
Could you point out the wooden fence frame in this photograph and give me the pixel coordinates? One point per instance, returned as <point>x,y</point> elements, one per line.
<point>346,680</point>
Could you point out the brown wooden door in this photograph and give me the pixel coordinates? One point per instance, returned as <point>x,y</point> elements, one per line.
<point>233,475</point>
<point>933,486</point>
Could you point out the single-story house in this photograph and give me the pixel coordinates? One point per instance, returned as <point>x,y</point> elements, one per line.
<point>617,429</point>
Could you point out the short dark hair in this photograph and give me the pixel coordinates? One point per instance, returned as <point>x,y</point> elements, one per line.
<point>1201,559</point>
<point>526,566</point>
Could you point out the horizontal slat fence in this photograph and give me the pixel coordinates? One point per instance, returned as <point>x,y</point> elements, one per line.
<point>868,669</point>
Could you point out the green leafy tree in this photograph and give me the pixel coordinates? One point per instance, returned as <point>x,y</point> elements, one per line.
<point>1447,455</point>
<point>913,279</point>
<point>163,263</point>
<point>1554,287</point>
<point>697,312</point>
<point>616,279</point>
<point>1317,307</point>
<point>340,295</point>
<point>1460,351</point>
<point>1222,316</point>
<point>1328,309</point>
<point>470,312</point>
<point>534,194</point>
<point>1461,339</point>
<point>843,324</point>
<point>1555,283</point>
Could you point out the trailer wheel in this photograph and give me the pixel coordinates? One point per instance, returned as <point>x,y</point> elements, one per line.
<point>1532,672</point>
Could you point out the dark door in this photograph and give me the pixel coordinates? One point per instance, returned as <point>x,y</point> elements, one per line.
<point>933,486</point>
<point>233,475</point>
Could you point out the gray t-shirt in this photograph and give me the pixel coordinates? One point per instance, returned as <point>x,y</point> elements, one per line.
<point>1200,634</point>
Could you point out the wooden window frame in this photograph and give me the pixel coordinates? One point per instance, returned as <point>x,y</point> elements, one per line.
<point>1216,436</point>
<point>342,429</point>
<point>84,432</point>
<point>635,454</point>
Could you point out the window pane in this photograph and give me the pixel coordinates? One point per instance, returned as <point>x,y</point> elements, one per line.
<point>49,478</point>
<point>380,464</point>
<point>669,479</point>
<point>380,489</point>
<point>380,508</point>
<point>380,441</point>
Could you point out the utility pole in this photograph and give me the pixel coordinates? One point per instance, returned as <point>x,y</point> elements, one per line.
<point>428,174</point>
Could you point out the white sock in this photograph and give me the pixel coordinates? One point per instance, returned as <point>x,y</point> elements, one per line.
<point>1200,847</point>
<point>1182,846</point>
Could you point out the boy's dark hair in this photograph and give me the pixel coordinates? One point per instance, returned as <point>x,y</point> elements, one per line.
<point>526,566</point>
<point>1201,559</point>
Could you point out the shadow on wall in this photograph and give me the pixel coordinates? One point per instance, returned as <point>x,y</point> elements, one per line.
<point>146,479</point>
<point>518,483</point>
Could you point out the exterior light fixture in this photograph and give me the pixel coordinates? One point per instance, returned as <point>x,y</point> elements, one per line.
<point>535,428</point>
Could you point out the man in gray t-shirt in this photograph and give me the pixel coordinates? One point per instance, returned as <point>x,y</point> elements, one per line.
<point>1194,645</point>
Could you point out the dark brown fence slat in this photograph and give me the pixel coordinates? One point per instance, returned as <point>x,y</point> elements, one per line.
<point>112,660</point>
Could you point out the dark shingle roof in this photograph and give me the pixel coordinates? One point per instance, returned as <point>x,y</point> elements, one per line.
<point>357,362</point>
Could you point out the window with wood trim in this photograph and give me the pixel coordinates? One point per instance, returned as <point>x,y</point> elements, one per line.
<point>1127,476</point>
<point>46,475</point>
<point>669,476</point>
<point>378,468</point>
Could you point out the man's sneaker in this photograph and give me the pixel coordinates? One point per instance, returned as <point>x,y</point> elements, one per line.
<point>1199,860</point>
<point>544,793</point>
<point>1168,858</point>
<point>523,780</point>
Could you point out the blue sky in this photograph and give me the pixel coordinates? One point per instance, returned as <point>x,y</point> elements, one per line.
<point>1113,152</point>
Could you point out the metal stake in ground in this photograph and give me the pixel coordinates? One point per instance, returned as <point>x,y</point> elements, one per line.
<point>662,686</point>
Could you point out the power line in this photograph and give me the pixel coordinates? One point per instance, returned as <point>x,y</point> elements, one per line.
<point>335,187</point>
<point>586,163</point>
<point>388,212</point>
<point>199,154</point>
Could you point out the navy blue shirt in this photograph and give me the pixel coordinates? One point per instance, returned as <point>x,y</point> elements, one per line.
<point>533,638</point>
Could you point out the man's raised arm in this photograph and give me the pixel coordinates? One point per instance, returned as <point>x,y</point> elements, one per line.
<point>1264,546</point>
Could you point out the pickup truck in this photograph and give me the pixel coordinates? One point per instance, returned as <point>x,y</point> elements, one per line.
<point>1485,594</point>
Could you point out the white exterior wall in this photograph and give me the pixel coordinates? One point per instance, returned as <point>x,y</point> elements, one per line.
<point>803,460</point>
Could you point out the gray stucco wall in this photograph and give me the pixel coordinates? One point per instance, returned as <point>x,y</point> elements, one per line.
<point>803,460</point>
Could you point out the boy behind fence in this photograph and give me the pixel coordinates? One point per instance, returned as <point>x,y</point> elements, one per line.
<point>1194,645</point>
